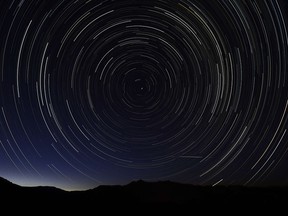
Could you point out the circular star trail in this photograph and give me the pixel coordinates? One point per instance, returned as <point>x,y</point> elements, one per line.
<point>102,92</point>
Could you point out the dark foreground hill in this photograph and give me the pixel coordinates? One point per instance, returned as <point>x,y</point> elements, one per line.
<point>145,192</point>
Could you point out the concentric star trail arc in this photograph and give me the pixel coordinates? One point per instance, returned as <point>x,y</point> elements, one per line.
<point>105,92</point>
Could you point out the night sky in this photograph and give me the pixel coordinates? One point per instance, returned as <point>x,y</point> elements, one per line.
<point>106,92</point>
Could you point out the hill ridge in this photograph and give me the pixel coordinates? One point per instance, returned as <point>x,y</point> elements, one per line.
<point>146,192</point>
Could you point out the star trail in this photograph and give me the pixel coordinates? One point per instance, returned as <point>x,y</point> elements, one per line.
<point>106,92</point>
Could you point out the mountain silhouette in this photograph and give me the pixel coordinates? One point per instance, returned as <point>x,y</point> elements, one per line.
<point>145,192</point>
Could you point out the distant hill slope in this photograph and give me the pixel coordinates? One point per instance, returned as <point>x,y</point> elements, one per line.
<point>146,192</point>
<point>6,186</point>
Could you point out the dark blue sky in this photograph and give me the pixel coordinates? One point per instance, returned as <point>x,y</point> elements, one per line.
<point>106,92</point>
